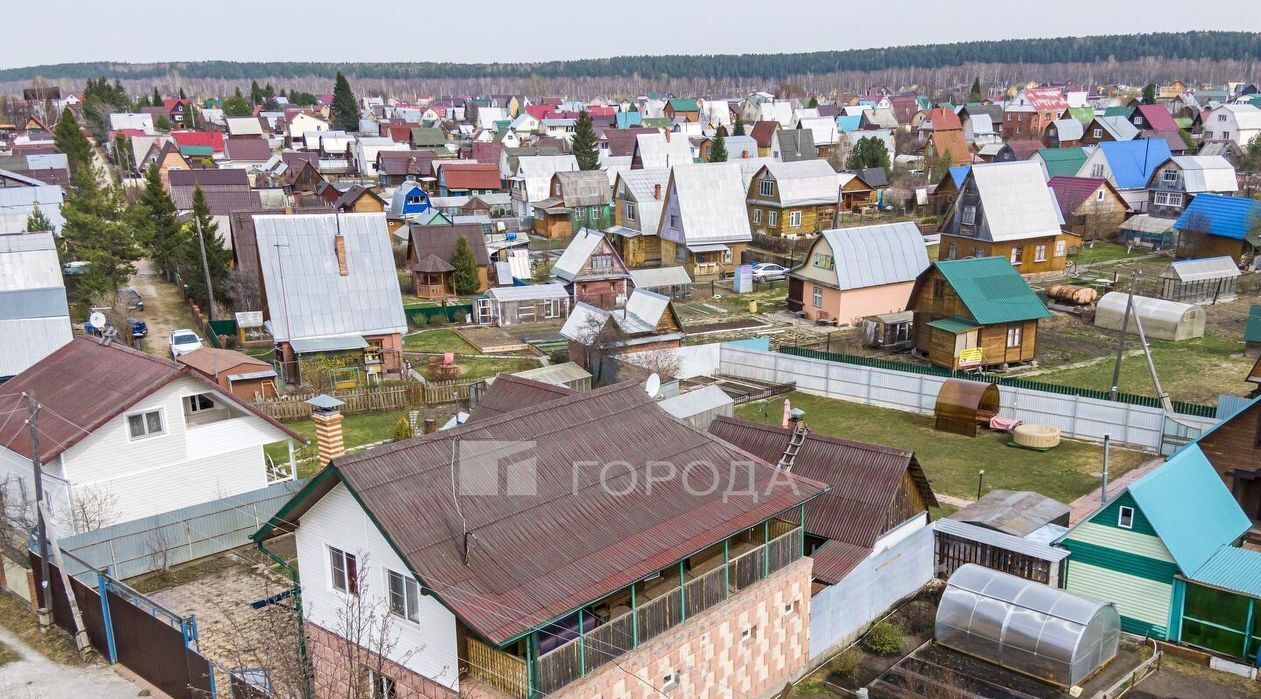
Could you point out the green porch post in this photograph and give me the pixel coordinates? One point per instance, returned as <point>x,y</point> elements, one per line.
<point>531,669</point>
<point>582,646</point>
<point>682,595</point>
<point>634,620</point>
<point>1247,627</point>
<point>766,548</point>
<point>726,568</point>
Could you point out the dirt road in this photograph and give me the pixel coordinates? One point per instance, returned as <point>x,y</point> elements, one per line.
<point>37,677</point>
<point>163,309</point>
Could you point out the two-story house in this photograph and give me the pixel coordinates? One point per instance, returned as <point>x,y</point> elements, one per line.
<point>1237,123</point>
<point>975,314</point>
<point>1006,210</point>
<point>1028,114</point>
<point>704,224</point>
<point>793,198</point>
<point>697,587</point>
<point>151,436</point>
<point>647,321</point>
<point>593,271</point>
<point>1177,181</point>
<point>637,199</point>
<point>578,199</point>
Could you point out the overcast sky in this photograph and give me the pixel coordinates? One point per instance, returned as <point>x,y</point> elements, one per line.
<point>67,31</point>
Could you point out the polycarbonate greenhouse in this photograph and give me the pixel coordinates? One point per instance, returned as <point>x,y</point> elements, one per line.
<point>1026,626</point>
<point>1162,320</point>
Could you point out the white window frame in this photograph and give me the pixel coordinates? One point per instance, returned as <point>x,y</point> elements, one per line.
<point>1173,199</point>
<point>674,222</point>
<point>794,219</point>
<point>1099,195</point>
<point>1039,253</point>
<point>408,607</point>
<point>349,584</point>
<point>551,308</point>
<point>1097,133</point>
<point>791,607</point>
<point>144,419</point>
<point>670,681</point>
<point>816,297</point>
<point>1097,170</point>
<point>1017,255</point>
<point>1221,117</point>
<point>1061,248</point>
<point>381,686</point>
<point>191,403</point>
<point>630,211</point>
<point>1015,336</point>
<point>1169,176</point>
<point>772,217</point>
<point>757,215</point>
<point>1123,521</point>
<point>766,188</point>
<point>967,216</point>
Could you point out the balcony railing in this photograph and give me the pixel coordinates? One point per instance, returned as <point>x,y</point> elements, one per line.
<point>619,635</point>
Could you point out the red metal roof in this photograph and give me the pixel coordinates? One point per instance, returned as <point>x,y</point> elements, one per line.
<point>1046,99</point>
<point>85,384</point>
<point>1157,118</point>
<point>470,175</point>
<point>540,111</point>
<point>943,119</point>
<point>592,527</point>
<point>214,139</point>
<point>1024,149</point>
<point>763,131</point>
<point>1070,192</point>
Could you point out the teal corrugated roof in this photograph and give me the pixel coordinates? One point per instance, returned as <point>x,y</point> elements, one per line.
<point>1235,569</point>
<point>684,104</point>
<point>1190,508</point>
<point>954,325</point>
<point>1065,162</point>
<point>993,290</point>
<point>1224,216</point>
<point>1252,331</point>
<point>1118,111</point>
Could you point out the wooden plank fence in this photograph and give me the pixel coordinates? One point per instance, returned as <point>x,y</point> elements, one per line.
<point>293,406</point>
<point>497,668</point>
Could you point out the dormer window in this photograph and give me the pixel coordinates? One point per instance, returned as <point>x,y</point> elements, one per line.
<point>766,188</point>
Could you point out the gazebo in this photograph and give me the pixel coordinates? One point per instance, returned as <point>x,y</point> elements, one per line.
<point>433,278</point>
<point>963,405</point>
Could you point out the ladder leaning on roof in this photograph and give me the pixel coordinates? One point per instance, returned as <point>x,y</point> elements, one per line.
<point>794,445</point>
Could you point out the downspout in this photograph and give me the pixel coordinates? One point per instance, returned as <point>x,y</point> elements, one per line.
<point>303,652</point>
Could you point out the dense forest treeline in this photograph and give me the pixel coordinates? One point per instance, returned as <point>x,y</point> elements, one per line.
<point>1203,45</point>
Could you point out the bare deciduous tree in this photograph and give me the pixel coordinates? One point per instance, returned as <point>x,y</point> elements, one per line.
<point>367,639</point>
<point>93,508</point>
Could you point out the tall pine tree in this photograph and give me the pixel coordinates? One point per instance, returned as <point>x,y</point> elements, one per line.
<point>157,97</point>
<point>97,231</point>
<point>37,221</point>
<point>739,129</point>
<point>465,268</point>
<point>975,94</point>
<point>718,149</point>
<point>161,234</point>
<point>583,145</point>
<point>345,108</point>
<point>217,256</point>
<point>70,140</point>
<point>1149,93</point>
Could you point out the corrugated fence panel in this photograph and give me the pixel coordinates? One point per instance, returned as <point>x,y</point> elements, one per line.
<point>914,389</point>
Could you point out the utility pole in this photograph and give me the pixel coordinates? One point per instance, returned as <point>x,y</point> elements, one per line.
<point>205,270</point>
<point>1125,322</point>
<point>45,592</point>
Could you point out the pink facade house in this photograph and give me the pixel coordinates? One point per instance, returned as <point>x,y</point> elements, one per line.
<point>850,273</point>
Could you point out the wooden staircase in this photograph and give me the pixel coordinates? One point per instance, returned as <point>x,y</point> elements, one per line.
<point>794,445</point>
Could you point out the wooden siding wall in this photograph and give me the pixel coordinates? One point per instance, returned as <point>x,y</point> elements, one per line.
<point>1236,446</point>
<point>1201,245</point>
<point>967,246</point>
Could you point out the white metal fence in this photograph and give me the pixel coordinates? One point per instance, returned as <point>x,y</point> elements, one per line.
<point>146,545</point>
<point>1078,417</point>
<point>840,612</point>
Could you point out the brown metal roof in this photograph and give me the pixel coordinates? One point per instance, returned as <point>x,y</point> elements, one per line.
<point>85,384</point>
<point>834,559</point>
<point>441,241</point>
<point>864,478</point>
<point>224,176</point>
<point>465,174</point>
<point>213,361</point>
<point>763,132</point>
<point>535,557</point>
<point>509,393</point>
<point>221,199</point>
<point>247,149</point>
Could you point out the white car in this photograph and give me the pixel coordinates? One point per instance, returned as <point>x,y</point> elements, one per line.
<point>183,341</point>
<point>768,272</point>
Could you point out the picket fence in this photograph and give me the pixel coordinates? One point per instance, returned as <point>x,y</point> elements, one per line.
<point>293,406</point>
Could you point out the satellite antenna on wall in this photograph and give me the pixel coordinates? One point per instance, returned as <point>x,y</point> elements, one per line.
<point>652,385</point>
<point>97,319</point>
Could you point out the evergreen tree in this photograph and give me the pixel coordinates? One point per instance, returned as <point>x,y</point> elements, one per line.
<point>159,232</point>
<point>97,231</point>
<point>583,145</point>
<point>256,93</point>
<point>975,94</point>
<point>739,128</point>
<point>465,268</point>
<point>162,123</point>
<point>70,140</point>
<point>236,106</point>
<point>142,102</point>
<point>182,95</point>
<point>157,97</point>
<point>37,221</point>
<point>1149,93</point>
<point>718,149</point>
<point>345,109</point>
<point>868,152</point>
<point>813,103</point>
<point>217,255</point>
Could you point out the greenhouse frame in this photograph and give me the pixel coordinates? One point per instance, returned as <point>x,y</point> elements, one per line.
<point>1162,320</point>
<point>1025,626</point>
<point>1207,280</point>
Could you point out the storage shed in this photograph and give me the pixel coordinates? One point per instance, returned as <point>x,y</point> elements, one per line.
<point>1026,626</point>
<point>700,406</point>
<point>1206,280</point>
<point>1162,320</point>
<point>962,405</point>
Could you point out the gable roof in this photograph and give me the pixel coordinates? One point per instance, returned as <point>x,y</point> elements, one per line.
<point>247,149</point>
<point>663,149</point>
<point>213,360</point>
<point>640,316</point>
<point>992,290</point>
<point>864,480</point>
<point>805,182</point>
<point>307,297</point>
<point>1015,200</point>
<point>509,392</point>
<point>711,204</point>
<point>1023,149</point>
<point>467,175</point>
<point>795,145</point>
<point>1132,162</point>
<point>1190,508</point>
<point>1220,215</point>
<point>581,246</point>
<point>583,187</point>
<point>1062,161</point>
<point>221,176</point>
<point>442,240</point>
<point>1156,117</point>
<point>763,131</point>
<point>681,104</point>
<point>1118,127</point>
<point>1070,192</point>
<point>886,253</point>
<point>1206,173</point>
<point>556,546</point>
<point>118,376</point>
<point>1068,130</point>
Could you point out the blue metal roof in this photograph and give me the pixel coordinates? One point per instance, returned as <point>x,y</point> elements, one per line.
<point>625,120</point>
<point>959,173</point>
<point>848,123</point>
<point>1132,162</point>
<point>1227,217</point>
<point>1190,508</point>
<point>1234,569</point>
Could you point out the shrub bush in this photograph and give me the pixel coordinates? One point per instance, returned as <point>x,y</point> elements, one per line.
<point>460,317</point>
<point>846,664</point>
<point>884,638</point>
<point>402,428</point>
<point>420,320</point>
<point>920,616</point>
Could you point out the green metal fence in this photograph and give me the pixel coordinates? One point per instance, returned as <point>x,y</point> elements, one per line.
<point>215,328</point>
<point>415,314</point>
<point>1130,398</point>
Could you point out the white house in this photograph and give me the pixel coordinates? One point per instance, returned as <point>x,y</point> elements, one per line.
<point>533,178</point>
<point>1233,122</point>
<point>302,123</point>
<point>125,435</point>
<point>130,120</point>
<point>34,316</point>
<point>363,153</point>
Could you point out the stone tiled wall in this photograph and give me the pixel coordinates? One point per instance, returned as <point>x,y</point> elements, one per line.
<point>710,655</point>
<point>332,670</point>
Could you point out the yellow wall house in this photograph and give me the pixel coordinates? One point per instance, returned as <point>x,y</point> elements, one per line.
<point>797,198</point>
<point>637,199</point>
<point>704,224</point>
<point>850,273</point>
<point>1006,210</point>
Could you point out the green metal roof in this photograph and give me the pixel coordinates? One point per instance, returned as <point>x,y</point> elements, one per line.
<point>954,325</point>
<point>197,151</point>
<point>1252,331</point>
<point>1083,114</point>
<point>1118,111</point>
<point>684,104</point>
<point>427,137</point>
<point>1190,508</point>
<point>992,290</point>
<point>1062,161</point>
<point>1235,569</point>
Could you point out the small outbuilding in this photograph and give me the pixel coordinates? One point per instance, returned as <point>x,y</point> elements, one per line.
<point>1162,320</point>
<point>1034,629</point>
<point>700,406</point>
<point>1207,280</point>
<point>963,405</point>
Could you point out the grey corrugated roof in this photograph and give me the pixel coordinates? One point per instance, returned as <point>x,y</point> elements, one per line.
<point>711,202</point>
<point>1000,540</point>
<point>528,292</point>
<point>657,277</point>
<point>805,182</point>
<point>576,253</point>
<point>1205,268</point>
<point>886,253</point>
<point>20,304</point>
<point>584,187</point>
<point>16,204</point>
<point>695,401</point>
<point>559,374</point>
<point>1016,201</point>
<point>1014,512</point>
<point>307,297</point>
<point>332,343</point>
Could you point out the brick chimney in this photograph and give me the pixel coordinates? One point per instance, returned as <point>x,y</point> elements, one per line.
<point>339,244</point>
<point>327,416</point>
<point>656,191</point>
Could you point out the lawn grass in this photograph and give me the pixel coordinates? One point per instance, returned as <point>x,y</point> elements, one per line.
<point>1101,253</point>
<point>437,340</point>
<point>952,461</point>
<point>357,429</point>
<point>8,655</point>
<point>483,367</point>
<point>54,644</point>
<point>1195,371</point>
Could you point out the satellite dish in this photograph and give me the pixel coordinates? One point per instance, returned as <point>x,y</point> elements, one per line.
<point>652,385</point>
<point>97,319</point>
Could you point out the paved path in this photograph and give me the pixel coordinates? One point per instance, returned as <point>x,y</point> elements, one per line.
<point>37,677</point>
